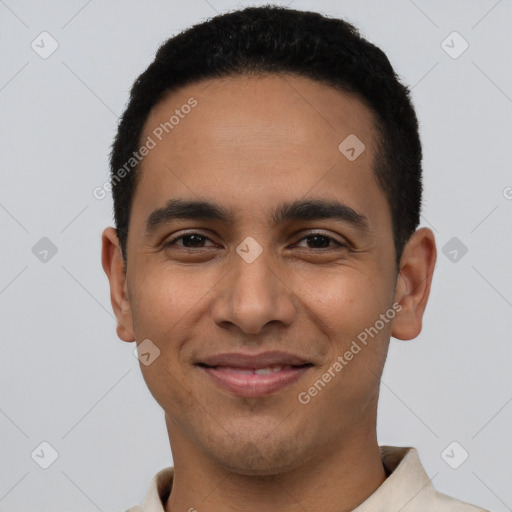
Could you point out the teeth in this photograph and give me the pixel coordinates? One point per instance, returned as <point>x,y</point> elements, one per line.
<point>241,370</point>
<point>258,371</point>
<point>268,370</point>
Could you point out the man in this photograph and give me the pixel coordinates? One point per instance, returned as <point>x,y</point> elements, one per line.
<point>266,177</point>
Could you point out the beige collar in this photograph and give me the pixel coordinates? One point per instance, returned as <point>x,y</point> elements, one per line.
<point>407,489</point>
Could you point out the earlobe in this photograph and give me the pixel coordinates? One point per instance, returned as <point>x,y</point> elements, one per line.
<point>113,265</point>
<point>413,285</point>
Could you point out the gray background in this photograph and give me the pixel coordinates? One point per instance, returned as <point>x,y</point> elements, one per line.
<point>66,378</point>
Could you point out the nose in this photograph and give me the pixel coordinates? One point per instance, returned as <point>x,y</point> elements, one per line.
<point>253,295</point>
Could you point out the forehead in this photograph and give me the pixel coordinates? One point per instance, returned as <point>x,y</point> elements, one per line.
<point>256,140</point>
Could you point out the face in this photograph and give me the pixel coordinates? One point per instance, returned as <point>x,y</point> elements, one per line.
<point>287,267</point>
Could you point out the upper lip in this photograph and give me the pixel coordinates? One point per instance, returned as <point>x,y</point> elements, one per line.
<point>261,360</point>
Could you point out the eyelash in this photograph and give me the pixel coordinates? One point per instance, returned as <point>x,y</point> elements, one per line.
<point>324,249</point>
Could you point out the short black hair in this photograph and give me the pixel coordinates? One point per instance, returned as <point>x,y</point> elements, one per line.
<point>277,40</point>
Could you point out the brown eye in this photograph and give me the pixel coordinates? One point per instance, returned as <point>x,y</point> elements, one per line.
<point>321,241</point>
<point>189,241</point>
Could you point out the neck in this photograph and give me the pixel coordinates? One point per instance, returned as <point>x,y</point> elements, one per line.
<point>337,480</point>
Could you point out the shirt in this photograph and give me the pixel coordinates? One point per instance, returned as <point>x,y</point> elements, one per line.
<point>407,488</point>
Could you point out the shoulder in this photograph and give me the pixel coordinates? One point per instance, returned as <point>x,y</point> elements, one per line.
<point>446,503</point>
<point>157,493</point>
<point>408,487</point>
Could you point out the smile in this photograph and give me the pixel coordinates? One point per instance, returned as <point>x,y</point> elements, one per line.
<point>255,382</point>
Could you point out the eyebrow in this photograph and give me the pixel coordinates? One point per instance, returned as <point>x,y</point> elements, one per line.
<point>313,209</point>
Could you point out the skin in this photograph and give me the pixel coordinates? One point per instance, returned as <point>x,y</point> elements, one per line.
<point>252,143</point>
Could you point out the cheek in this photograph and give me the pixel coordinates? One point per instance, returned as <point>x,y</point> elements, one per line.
<point>344,300</point>
<point>162,305</point>
<point>170,390</point>
<point>161,300</point>
<point>347,313</point>
<point>345,306</point>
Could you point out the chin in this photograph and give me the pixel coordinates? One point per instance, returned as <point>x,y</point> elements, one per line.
<point>260,459</point>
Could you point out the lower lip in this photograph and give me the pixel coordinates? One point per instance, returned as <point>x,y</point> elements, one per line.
<point>253,385</point>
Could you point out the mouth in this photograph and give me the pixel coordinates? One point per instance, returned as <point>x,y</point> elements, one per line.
<point>254,376</point>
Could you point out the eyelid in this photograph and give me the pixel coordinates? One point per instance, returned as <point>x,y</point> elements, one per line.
<point>180,235</point>
<point>343,243</point>
<point>307,234</point>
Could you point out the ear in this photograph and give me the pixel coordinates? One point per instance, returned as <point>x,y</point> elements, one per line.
<point>113,265</point>
<point>413,285</point>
